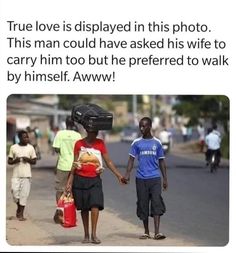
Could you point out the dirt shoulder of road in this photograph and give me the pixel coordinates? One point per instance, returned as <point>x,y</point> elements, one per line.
<point>112,230</point>
<point>190,150</point>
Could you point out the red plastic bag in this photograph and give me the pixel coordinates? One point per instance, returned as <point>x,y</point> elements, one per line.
<point>67,208</point>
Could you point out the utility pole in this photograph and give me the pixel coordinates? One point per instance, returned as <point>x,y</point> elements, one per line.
<point>134,108</point>
<point>153,106</point>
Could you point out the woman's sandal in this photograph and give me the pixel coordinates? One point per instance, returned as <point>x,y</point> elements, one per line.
<point>159,236</point>
<point>145,236</point>
<point>95,240</point>
<point>86,240</point>
<point>21,219</point>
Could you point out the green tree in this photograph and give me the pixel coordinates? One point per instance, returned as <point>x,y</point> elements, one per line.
<point>213,107</point>
<point>208,107</point>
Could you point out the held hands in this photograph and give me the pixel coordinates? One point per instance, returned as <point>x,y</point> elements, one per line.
<point>122,180</point>
<point>127,177</point>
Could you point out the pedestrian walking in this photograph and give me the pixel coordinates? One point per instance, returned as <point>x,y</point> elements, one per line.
<point>38,136</point>
<point>148,150</point>
<point>201,137</point>
<point>166,139</point>
<point>15,138</point>
<point>189,133</point>
<point>51,136</point>
<point>21,155</point>
<point>33,140</point>
<point>63,145</point>
<point>184,132</point>
<point>85,181</point>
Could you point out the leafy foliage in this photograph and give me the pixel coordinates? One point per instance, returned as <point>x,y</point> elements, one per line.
<point>214,107</point>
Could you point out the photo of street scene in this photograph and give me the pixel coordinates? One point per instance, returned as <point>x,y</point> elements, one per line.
<point>192,136</point>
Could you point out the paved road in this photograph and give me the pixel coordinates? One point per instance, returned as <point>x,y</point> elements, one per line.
<point>197,204</point>
<point>197,201</point>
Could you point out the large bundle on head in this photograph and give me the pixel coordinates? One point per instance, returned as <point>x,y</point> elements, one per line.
<point>92,117</point>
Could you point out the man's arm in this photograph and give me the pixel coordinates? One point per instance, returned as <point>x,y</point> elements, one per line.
<point>57,142</point>
<point>57,150</point>
<point>31,161</point>
<point>11,157</point>
<point>130,166</point>
<point>13,161</point>
<point>164,173</point>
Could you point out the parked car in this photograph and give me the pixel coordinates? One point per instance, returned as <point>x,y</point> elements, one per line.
<point>129,133</point>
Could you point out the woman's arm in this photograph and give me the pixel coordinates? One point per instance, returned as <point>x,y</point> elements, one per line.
<point>71,174</point>
<point>113,168</point>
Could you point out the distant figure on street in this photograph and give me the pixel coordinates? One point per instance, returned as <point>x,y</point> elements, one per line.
<point>148,150</point>
<point>184,132</point>
<point>33,140</point>
<point>166,138</point>
<point>213,142</point>
<point>201,136</point>
<point>85,182</point>
<point>215,131</point>
<point>38,135</point>
<point>21,155</point>
<point>64,146</point>
<point>51,135</point>
<point>189,133</point>
<point>15,139</point>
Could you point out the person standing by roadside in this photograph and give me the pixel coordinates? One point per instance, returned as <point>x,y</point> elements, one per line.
<point>166,139</point>
<point>22,155</point>
<point>149,185</point>
<point>33,140</point>
<point>63,145</point>
<point>201,134</point>
<point>184,132</point>
<point>38,136</point>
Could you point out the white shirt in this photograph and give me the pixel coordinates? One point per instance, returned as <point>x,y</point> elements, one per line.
<point>22,169</point>
<point>213,141</point>
<point>165,136</point>
<point>184,130</point>
<point>201,132</point>
<point>217,133</point>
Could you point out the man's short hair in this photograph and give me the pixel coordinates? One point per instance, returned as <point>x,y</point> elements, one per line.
<point>209,130</point>
<point>69,122</point>
<point>214,126</point>
<point>21,132</point>
<point>148,120</point>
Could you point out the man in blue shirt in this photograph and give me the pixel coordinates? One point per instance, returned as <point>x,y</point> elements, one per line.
<point>149,152</point>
